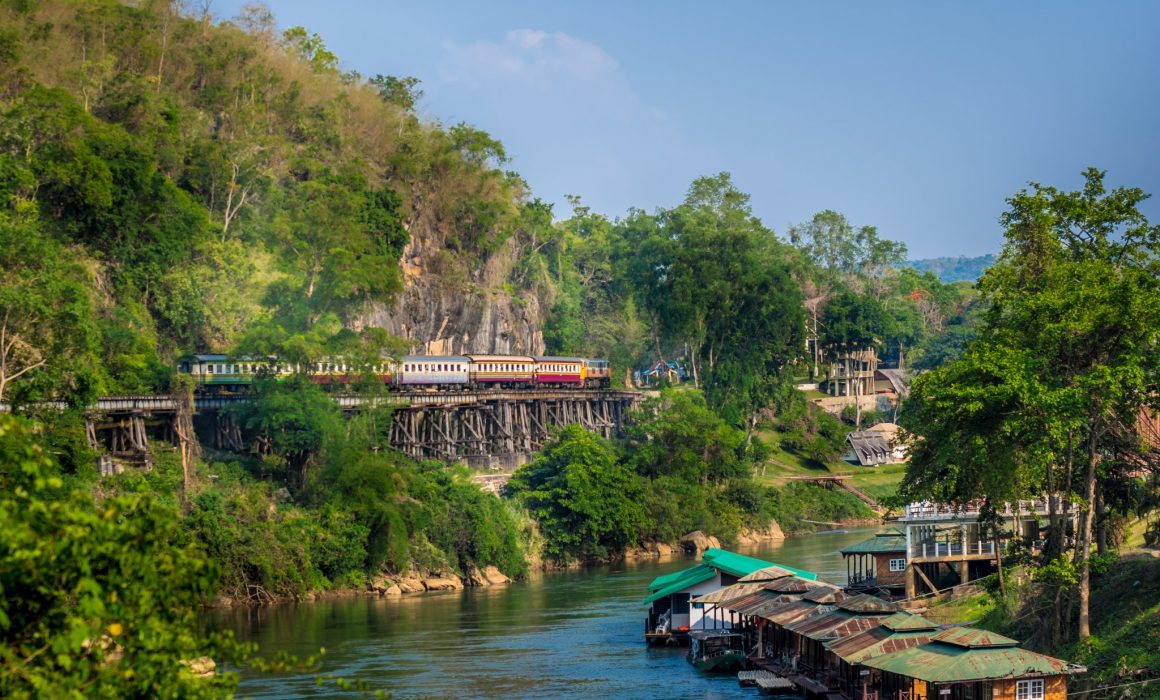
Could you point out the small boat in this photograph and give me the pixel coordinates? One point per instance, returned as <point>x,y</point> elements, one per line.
<point>717,651</point>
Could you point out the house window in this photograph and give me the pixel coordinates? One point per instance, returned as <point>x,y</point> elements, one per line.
<point>1029,690</point>
<point>898,565</point>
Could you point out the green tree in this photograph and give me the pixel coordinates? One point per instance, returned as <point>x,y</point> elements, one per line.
<point>710,276</point>
<point>311,49</point>
<point>100,599</point>
<point>836,245</point>
<point>292,419</point>
<point>1068,341</point>
<point>402,92</point>
<point>676,434</point>
<point>585,501</point>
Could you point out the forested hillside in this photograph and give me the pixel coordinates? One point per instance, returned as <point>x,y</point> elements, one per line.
<point>172,183</point>
<point>183,185</point>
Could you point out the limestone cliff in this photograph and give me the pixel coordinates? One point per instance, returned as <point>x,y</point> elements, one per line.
<point>447,310</point>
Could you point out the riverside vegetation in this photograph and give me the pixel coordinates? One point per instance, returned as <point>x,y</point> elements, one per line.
<point>169,183</point>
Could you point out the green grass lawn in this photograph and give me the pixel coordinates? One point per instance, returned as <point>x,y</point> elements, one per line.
<point>1134,537</point>
<point>878,482</point>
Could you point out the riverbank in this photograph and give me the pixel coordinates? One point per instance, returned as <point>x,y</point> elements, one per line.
<point>415,582</point>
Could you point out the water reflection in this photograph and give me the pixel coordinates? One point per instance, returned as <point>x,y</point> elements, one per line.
<point>560,635</point>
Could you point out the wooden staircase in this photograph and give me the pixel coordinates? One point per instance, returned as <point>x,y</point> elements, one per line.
<point>843,483</point>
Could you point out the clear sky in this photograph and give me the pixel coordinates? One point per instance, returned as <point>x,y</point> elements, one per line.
<point>916,117</point>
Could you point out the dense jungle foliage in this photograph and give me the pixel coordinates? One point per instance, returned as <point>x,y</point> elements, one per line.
<point>681,468</point>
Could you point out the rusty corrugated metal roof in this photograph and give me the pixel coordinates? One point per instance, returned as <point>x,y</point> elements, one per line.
<point>791,585</point>
<point>768,573</point>
<point>972,638</point>
<point>838,623</point>
<point>767,607</point>
<point>866,603</point>
<point>721,595</point>
<point>763,599</point>
<point>875,642</point>
<point>796,611</point>
<point>943,662</point>
<point>826,595</point>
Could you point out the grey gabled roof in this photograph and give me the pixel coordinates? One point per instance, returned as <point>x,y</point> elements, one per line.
<point>870,447</point>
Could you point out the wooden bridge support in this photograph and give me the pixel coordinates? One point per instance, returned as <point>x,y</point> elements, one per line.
<point>227,434</point>
<point>504,431</point>
<point>125,440</point>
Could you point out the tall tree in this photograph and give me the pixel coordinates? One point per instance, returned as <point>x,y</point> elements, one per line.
<point>1075,297</point>
<point>711,276</point>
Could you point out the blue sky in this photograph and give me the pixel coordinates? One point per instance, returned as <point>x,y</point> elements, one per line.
<point>916,117</point>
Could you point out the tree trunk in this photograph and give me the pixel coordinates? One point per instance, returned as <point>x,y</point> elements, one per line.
<point>858,396</point>
<point>999,561</point>
<point>693,361</point>
<point>1101,523</point>
<point>1052,548</point>
<point>1085,572</point>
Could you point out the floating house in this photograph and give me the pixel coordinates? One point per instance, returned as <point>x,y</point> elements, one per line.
<point>670,616</point>
<point>834,646</point>
<point>877,565</point>
<point>844,656</point>
<point>968,664</point>
<point>806,638</point>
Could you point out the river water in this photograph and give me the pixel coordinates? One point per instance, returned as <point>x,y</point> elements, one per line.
<point>569,634</point>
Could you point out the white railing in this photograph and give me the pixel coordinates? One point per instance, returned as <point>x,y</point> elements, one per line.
<point>951,549</point>
<point>942,511</point>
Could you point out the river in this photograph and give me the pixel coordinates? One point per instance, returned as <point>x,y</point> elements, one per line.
<point>567,634</point>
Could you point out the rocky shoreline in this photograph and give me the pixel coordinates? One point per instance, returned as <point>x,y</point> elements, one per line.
<point>415,582</point>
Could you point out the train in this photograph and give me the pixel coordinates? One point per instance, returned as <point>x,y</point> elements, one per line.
<point>218,373</point>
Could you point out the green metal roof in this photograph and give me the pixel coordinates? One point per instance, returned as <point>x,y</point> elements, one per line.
<point>712,561</point>
<point>881,543</point>
<point>908,622</point>
<point>741,565</point>
<point>945,662</point>
<point>688,578</point>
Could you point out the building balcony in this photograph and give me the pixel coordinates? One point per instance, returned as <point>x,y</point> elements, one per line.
<point>941,550</point>
<point>917,512</point>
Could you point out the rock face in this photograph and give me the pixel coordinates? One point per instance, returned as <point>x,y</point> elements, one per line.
<point>202,666</point>
<point>696,542</point>
<point>447,582</point>
<point>411,584</point>
<point>448,311</point>
<point>487,576</point>
<point>769,534</point>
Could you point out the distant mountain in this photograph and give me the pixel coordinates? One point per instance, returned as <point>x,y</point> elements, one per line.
<point>954,269</point>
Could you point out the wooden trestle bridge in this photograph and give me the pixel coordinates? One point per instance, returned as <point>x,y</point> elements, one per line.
<point>497,429</point>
